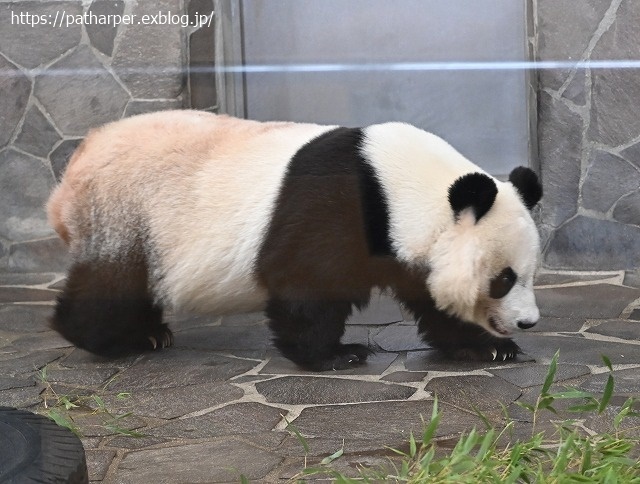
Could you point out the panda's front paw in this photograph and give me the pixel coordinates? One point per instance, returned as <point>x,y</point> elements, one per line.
<point>162,337</point>
<point>500,350</point>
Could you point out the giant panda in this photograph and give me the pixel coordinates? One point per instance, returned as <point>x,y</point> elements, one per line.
<point>213,214</point>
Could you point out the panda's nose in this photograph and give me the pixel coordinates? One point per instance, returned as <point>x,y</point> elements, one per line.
<point>526,324</point>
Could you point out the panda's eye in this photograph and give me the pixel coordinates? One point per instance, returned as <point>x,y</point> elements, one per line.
<point>502,283</point>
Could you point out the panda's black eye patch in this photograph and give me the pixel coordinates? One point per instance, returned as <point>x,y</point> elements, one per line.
<point>502,283</point>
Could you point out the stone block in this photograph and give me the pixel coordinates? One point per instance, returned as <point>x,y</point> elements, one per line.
<point>578,350</point>
<point>150,372</point>
<point>235,419</point>
<point>98,462</point>
<point>148,58</point>
<point>382,309</point>
<point>535,375</point>
<point>486,392</point>
<point>400,337</point>
<point>608,178</point>
<point>22,294</point>
<point>33,45</point>
<point>627,210</point>
<point>615,103</point>
<point>42,255</point>
<point>212,462</point>
<point>82,95</point>
<point>622,39</point>
<point>565,27</point>
<point>140,107</point>
<point>61,155</point>
<point>174,402</point>
<point>25,183</point>
<point>623,329</point>
<point>299,390</point>
<point>387,423</point>
<point>576,89</point>
<point>590,244</point>
<point>560,151</point>
<point>202,79</point>
<point>632,154</point>
<point>598,301</point>
<point>37,136</point>
<point>12,106</point>
<point>102,36</point>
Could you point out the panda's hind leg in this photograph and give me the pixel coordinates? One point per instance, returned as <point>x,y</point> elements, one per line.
<point>107,309</point>
<point>309,332</point>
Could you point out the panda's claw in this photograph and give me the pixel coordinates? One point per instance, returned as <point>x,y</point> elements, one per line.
<point>494,352</point>
<point>504,357</point>
<point>154,342</point>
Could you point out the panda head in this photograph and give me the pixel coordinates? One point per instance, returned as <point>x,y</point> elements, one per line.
<point>482,265</point>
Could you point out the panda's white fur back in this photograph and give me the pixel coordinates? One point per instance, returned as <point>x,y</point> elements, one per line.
<point>205,186</point>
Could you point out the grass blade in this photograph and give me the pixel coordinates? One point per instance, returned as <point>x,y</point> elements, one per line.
<point>606,396</point>
<point>551,373</point>
<point>329,459</point>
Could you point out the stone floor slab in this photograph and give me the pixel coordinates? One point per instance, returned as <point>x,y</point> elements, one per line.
<point>82,377</point>
<point>215,338</point>
<point>382,309</point>
<point>625,382</point>
<point>405,376</point>
<point>376,364</point>
<point>532,375</point>
<point>24,318</point>
<point>579,350</point>
<point>558,278</point>
<point>174,402</point>
<point>399,337</point>
<point>152,371</point>
<point>294,390</point>
<point>23,294</point>
<point>26,279</point>
<point>29,363</point>
<point>235,419</point>
<point>46,340</point>
<point>558,325</point>
<point>487,393</point>
<point>221,461</point>
<point>386,423</point>
<point>598,301</point>
<point>98,462</point>
<point>618,328</point>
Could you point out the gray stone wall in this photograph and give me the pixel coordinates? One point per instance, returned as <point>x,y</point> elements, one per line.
<point>56,83</point>
<point>589,134</point>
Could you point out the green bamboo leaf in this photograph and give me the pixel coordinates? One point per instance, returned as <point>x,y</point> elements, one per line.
<point>431,428</point>
<point>606,396</point>
<point>607,362</point>
<point>551,373</point>
<point>291,428</point>
<point>329,459</point>
<point>412,445</point>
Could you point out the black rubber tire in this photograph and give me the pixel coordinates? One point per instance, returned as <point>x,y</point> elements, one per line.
<point>35,449</point>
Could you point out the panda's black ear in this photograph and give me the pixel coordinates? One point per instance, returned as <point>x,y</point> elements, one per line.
<point>527,184</point>
<point>473,190</point>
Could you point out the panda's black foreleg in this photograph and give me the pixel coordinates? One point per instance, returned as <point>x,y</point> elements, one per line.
<point>106,308</point>
<point>455,338</point>
<point>309,332</point>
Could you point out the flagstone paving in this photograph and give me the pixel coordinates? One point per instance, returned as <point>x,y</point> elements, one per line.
<point>216,406</point>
